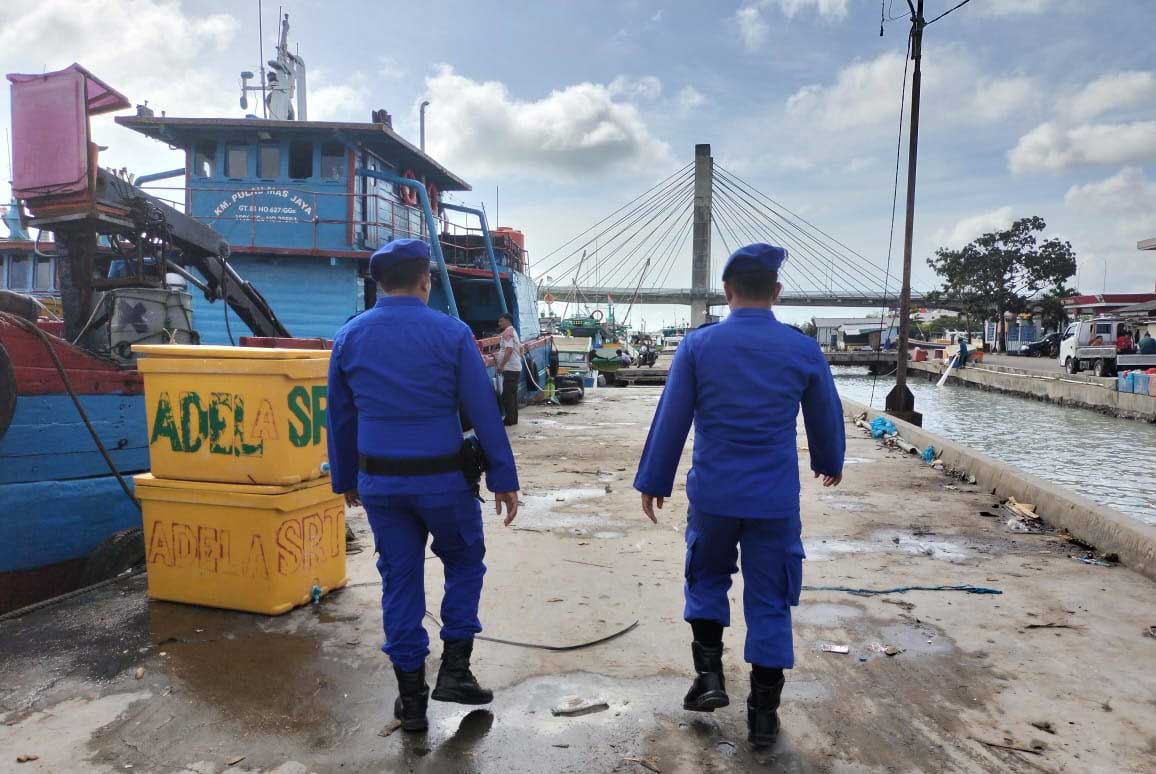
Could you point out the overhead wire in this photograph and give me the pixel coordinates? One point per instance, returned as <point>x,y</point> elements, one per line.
<point>945,13</point>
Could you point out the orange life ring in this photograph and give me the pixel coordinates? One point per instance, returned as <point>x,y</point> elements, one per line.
<point>432,191</point>
<point>408,193</point>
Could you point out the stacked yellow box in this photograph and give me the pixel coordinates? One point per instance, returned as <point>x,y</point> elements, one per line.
<point>238,511</point>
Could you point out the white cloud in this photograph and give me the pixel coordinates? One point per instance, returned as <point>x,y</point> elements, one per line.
<point>1109,92</point>
<point>577,131</point>
<point>689,98</point>
<point>348,101</point>
<point>158,51</point>
<point>149,49</point>
<point>828,9</point>
<point>1000,8</point>
<point>1051,147</point>
<point>864,93</point>
<point>646,87</point>
<point>753,28</point>
<point>967,229</point>
<point>1128,197</point>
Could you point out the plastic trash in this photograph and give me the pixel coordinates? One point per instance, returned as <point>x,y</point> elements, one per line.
<point>881,426</point>
<point>929,455</point>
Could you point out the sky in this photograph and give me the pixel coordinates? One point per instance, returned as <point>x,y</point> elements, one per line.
<point>1030,107</point>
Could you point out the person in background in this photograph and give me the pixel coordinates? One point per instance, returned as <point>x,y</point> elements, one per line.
<point>741,383</point>
<point>395,444</point>
<point>961,361</point>
<point>1124,343</point>
<point>1147,344</point>
<point>510,367</point>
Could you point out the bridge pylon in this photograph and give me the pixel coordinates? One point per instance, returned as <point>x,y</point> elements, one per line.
<point>700,238</point>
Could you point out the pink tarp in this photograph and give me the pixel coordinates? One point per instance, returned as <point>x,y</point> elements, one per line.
<point>50,128</point>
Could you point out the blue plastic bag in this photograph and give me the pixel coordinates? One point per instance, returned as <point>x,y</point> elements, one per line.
<point>881,426</point>
<point>929,455</point>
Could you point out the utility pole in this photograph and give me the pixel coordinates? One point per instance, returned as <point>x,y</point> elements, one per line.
<point>900,401</point>
<point>700,239</point>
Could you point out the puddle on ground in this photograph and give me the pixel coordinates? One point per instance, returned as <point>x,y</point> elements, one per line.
<point>844,503</point>
<point>575,510</point>
<point>827,549</point>
<point>824,613</point>
<point>608,535</point>
<point>856,460</point>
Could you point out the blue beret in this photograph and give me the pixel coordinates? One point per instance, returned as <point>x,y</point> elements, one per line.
<point>756,257</point>
<point>395,252</point>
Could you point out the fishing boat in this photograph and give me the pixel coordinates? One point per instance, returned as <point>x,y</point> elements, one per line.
<point>292,206</point>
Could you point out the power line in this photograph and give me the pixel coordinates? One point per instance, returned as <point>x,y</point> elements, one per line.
<point>949,10</point>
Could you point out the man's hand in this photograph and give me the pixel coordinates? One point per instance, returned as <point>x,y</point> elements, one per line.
<point>510,501</point>
<point>829,480</point>
<point>353,499</point>
<point>648,506</point>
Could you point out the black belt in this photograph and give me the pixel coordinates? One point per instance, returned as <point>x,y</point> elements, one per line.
<point>410,466</point>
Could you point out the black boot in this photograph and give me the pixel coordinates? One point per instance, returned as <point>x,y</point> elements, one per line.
<point>412,699</point>
<point>763,712</point>
<point>456,682</point>
<point>709,691</point>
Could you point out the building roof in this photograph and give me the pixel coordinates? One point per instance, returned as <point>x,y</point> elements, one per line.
<point>1146,244</point>
<point>1101,300</point>
<point>855,322</point>
<point>379,138</point>
<point>1145,309</point>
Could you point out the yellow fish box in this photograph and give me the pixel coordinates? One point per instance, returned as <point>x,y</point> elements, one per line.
<point>239,415</point>
<point>260,549</point>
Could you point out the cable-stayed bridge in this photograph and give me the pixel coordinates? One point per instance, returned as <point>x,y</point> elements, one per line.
<point>630,254</point>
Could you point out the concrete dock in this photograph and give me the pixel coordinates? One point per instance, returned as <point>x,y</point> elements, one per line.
<point>1052,675</point>
<point>1028,379</point>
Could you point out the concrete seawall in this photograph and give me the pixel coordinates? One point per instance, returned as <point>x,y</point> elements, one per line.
<point>1105,528</point>
<point>1078,390</point>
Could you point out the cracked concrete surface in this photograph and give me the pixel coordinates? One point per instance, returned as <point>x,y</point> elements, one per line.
<point>310,691</point>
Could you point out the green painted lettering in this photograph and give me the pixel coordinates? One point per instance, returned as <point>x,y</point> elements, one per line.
<point>221,429</point>
<point>244,449</point>
<point>192,434</point>
<point>320,405</point>
<point>299,407</point>
<point>164,426</point>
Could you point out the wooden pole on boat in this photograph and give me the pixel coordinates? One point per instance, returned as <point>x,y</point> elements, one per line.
<point>700,240</point>
<point>900,401</point>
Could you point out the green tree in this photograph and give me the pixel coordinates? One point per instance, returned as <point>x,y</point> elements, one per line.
<point>1050,306</point>
<point>1004,271</point>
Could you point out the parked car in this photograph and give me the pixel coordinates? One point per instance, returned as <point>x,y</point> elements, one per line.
<point>1048,346</point>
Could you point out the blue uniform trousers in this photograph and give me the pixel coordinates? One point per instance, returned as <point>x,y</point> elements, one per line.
<point>401,524</point>
<point>772,559</point>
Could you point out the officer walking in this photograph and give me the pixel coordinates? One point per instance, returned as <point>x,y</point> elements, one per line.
<point>741,382</point>
<point>398,376</point>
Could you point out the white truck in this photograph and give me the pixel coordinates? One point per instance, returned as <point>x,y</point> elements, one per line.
<point>1091,344</point>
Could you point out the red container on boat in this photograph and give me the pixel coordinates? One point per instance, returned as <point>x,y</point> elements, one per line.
<point>513,234</point>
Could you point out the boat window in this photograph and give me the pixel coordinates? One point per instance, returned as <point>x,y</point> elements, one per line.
<point>19,271</point>
<point>300,159</point>
<point>204,159</point>
<point>42,276</point>
<point>332,161</point>
<point>237,161</point>
<point>268,161</point>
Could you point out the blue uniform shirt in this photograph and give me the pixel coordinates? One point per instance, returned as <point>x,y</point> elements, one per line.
<point>398,374</point>
<point>741,381</point>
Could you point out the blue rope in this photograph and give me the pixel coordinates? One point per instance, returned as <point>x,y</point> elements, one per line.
<point>904,589</point>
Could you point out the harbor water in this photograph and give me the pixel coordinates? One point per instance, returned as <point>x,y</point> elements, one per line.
<point>1105,459</point>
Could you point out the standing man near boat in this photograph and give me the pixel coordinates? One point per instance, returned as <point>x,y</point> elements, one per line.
<point>741,383</point>
<point>510,367</point>
<point>398,375</point>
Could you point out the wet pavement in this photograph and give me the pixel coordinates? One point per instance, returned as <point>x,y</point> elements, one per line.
<point>930,681</point>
